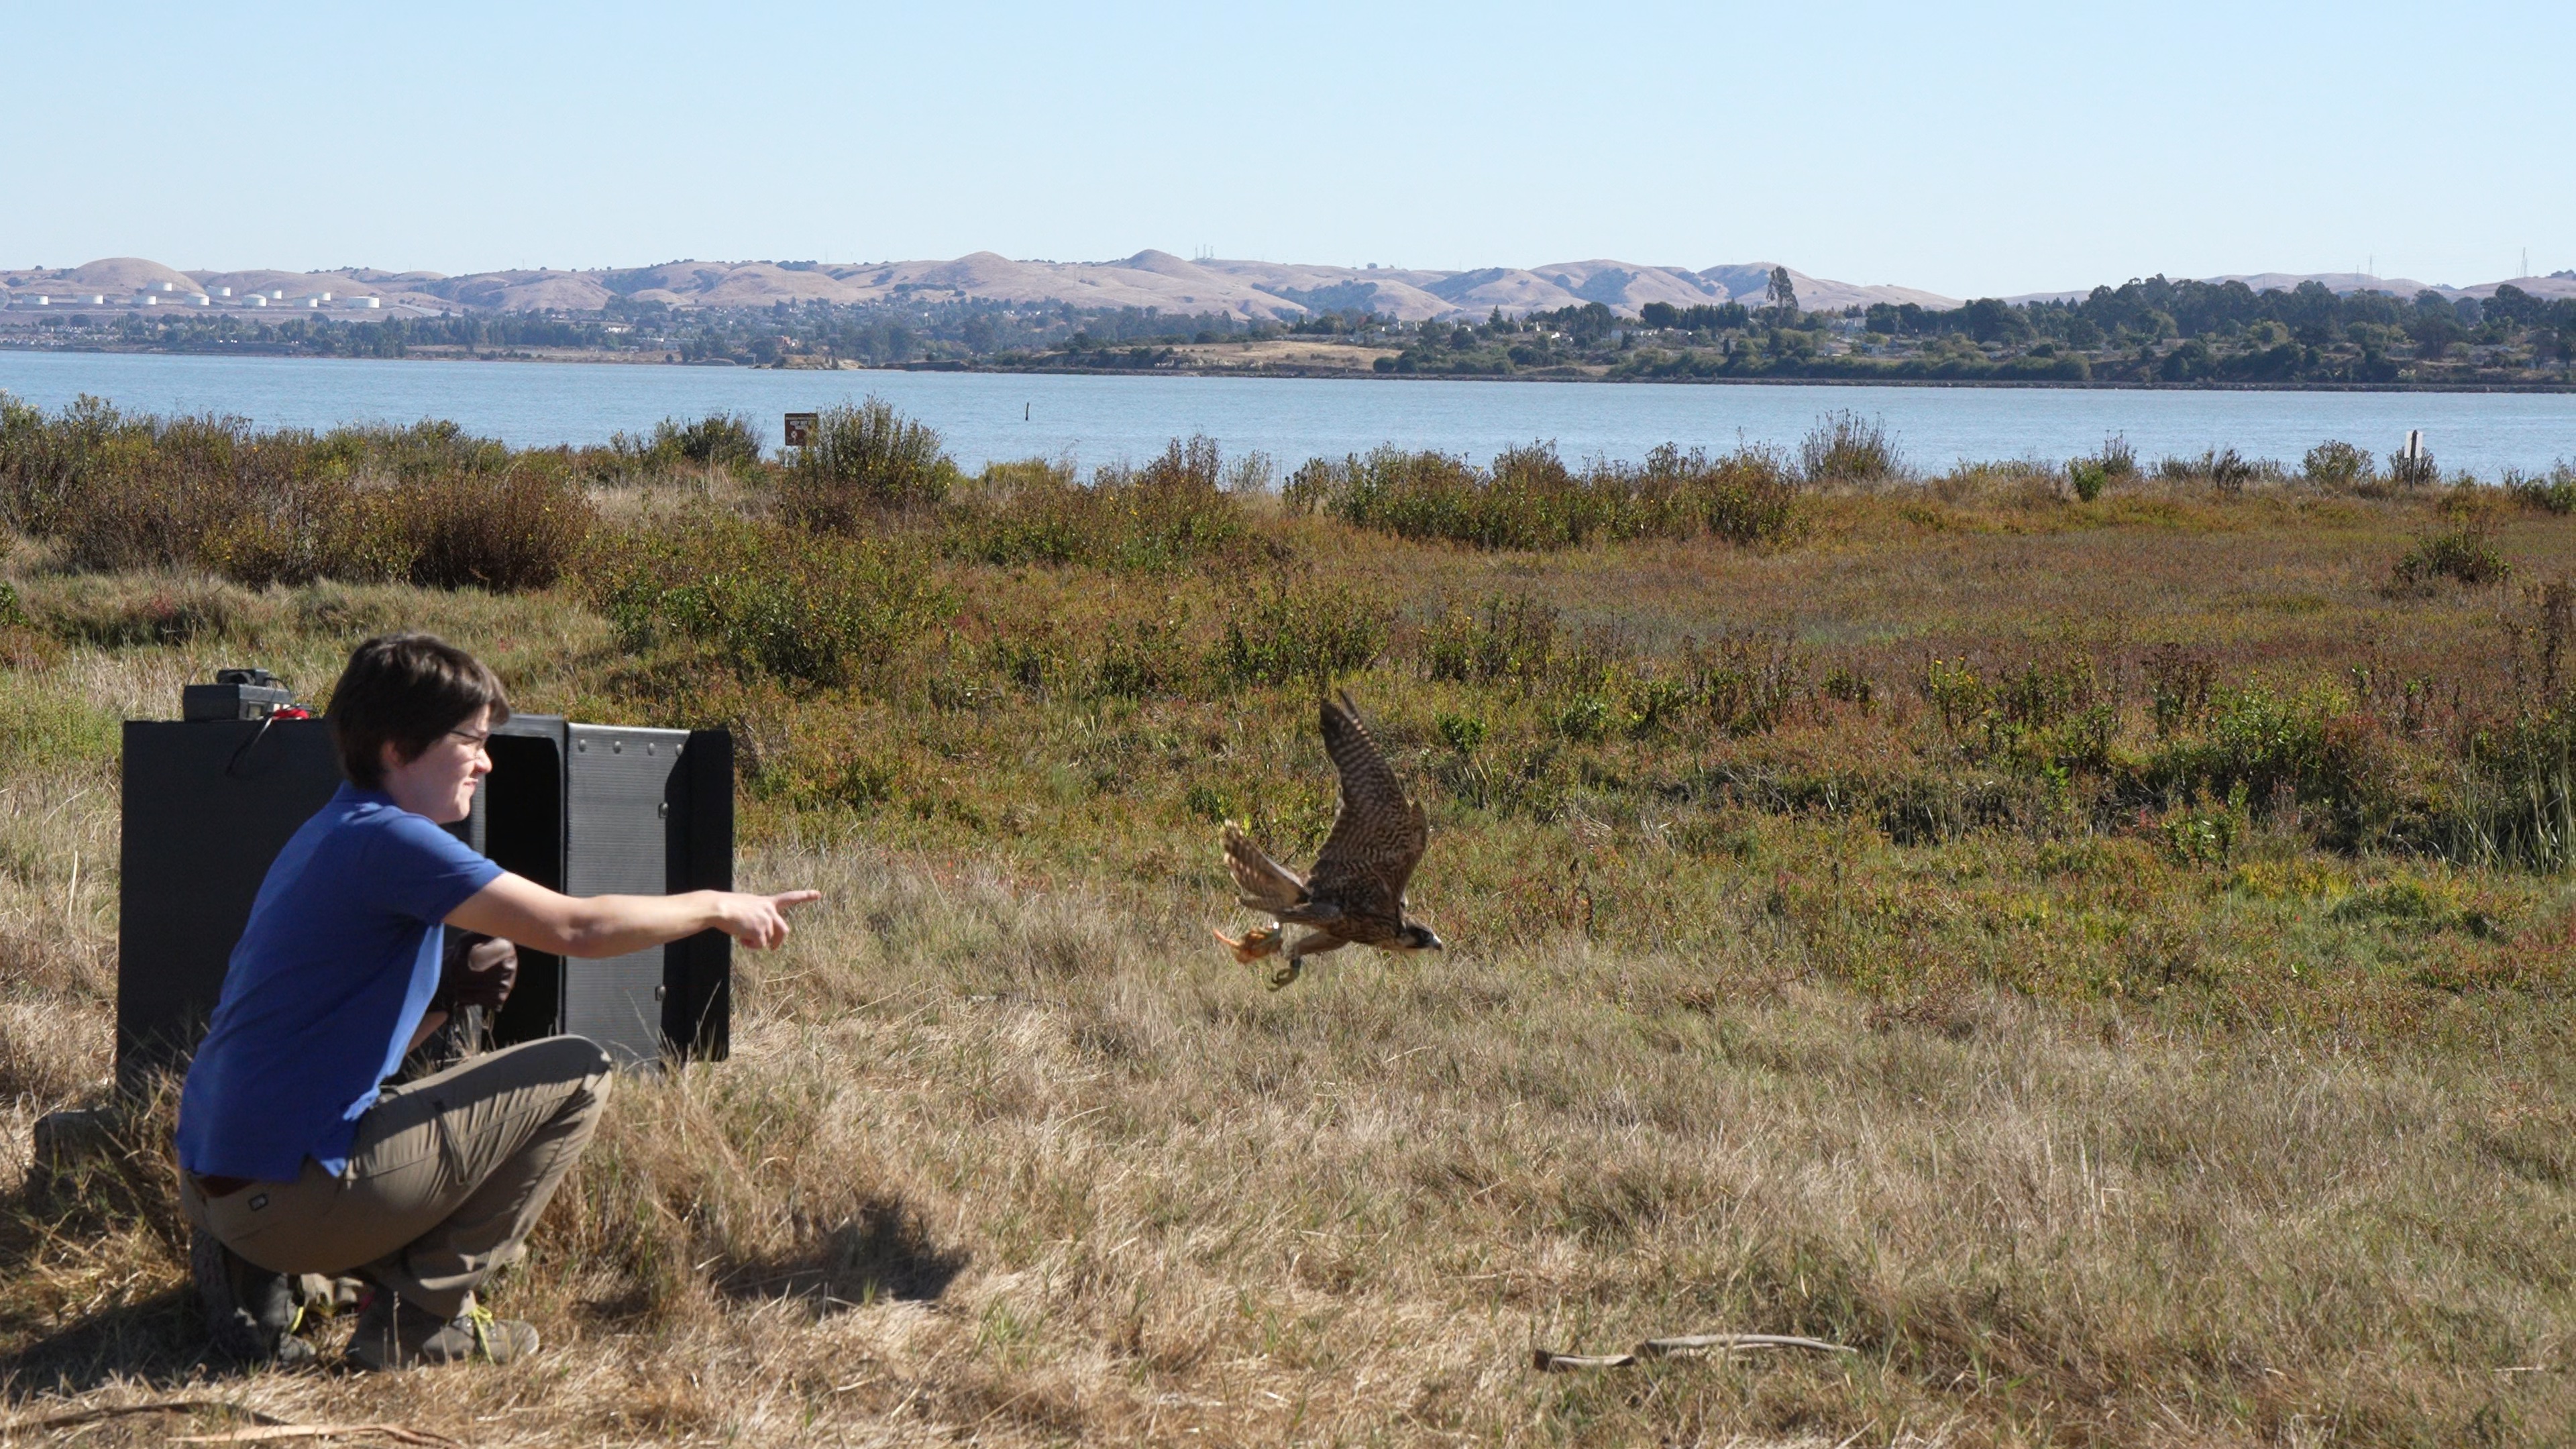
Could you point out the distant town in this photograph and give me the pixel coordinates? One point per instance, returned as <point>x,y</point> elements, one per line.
<point>1602,320</point>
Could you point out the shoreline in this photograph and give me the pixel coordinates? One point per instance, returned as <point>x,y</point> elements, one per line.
<point>1353,374</point>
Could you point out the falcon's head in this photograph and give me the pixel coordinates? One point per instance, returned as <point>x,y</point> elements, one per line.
<point>1417,937</point>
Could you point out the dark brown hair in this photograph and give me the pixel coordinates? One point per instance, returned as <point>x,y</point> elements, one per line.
<point>405,690</point>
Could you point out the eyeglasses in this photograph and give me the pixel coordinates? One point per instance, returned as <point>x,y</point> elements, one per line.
<point>473,740</point>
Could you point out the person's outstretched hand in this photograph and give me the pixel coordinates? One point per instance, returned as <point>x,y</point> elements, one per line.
<point>760,922</point>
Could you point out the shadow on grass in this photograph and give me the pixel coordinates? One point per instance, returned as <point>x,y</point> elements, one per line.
<point>58,1221</point>
<point>884,1252</point>
<point>158,1342</point>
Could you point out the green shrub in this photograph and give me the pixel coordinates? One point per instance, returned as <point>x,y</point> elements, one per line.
<point>1176,510</point>
<point>2466,553</point>
<point>2550,492</point>
<point>1296,630</point>
<point>765,601</point>
<point>2046,714</point>
<point>519,529</point>
<point>1142,657</point>
<point>863,461</point>
<point>1529,499</point>
<point>2413,473</point>
<point>718,440</point>
<point>425,503</point>
<point>2087,477</point>
<point>2338,466</point>
<point>2118,459</point>
<point>1844,447</point>
<point>2310,748</point>
<point>1509,640</point>
<point>2517,804</point>
<point>1744,682</point>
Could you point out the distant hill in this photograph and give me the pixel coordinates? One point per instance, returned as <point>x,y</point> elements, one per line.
<point>1249,290</point>
<point>2344,284</point>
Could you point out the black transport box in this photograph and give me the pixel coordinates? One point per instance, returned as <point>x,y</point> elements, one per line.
<point>584,809</point>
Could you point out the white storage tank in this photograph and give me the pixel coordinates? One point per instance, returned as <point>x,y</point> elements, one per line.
<point>258,299</point>
<point>368,301</point>
<point>223,291</point>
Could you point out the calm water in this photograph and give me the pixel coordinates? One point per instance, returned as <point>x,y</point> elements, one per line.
<point>985,416</point>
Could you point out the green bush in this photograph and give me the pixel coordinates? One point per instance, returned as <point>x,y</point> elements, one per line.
<point>1296,630</point>
<point>1844,447</point>
<point>730,441</point>
<point>1529,499</point>
<point>426,504</point>
<point>2259,745</point>
<point>2338,466</point>
<point>2466,553</point>
<point>2087,477</point>
<point>1512,639</point>
<point>2518,803</point>
<point>765,601</point>
<point>1176,510</point>
<point>519,529</point>
<point>2550,492</point>
<point>864,461</point>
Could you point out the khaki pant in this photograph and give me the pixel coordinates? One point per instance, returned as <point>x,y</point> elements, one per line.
<point>445,1179</point>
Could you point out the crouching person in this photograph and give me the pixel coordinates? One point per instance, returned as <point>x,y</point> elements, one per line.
<point>295,1154</point>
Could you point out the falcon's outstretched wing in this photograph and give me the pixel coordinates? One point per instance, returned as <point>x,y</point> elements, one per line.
<point>1264,884</point>
<point>1379,836</point>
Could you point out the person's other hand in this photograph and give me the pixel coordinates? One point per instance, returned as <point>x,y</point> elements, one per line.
<point>759,922</point>
<point>481,975</point>
<point>491,970</point>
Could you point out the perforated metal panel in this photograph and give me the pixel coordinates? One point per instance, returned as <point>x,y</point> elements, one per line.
<point>617,809</point>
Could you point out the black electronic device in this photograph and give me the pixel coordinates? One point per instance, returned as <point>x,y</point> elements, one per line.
<point>585,809</point>
<point>235,694</point>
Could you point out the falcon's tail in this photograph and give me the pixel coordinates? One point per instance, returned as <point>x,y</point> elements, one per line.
<point>1264,884</point>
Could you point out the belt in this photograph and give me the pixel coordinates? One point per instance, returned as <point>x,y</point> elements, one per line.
<point>214,1187</point>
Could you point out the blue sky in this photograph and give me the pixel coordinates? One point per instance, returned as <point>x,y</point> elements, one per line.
<point>1970,149</point>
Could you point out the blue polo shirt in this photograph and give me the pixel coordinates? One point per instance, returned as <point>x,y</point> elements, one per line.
<point>330,979</point>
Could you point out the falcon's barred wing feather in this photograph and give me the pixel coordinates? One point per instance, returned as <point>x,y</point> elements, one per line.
<point>1379,836</point>
<point>1264,883</point>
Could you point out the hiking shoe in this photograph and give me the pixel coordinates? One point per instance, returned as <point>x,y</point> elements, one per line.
<point>250,1311</point>
<point>389,1337</point>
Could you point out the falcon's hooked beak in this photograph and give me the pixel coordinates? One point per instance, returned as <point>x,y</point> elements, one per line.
<point>1421,938</point>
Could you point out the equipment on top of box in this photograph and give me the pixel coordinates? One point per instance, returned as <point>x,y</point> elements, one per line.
<point>238,694</point>
<point>580,808</point>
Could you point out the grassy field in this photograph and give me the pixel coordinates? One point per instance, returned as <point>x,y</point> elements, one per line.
<point>2105,961</point>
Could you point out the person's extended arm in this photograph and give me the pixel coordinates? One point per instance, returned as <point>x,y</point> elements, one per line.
<point>515,908</point>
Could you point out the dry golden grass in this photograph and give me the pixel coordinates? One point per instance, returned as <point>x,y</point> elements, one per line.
<point>2078,1139</point>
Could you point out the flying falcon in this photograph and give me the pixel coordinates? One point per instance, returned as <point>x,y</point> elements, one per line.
<point>1355,894</point>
